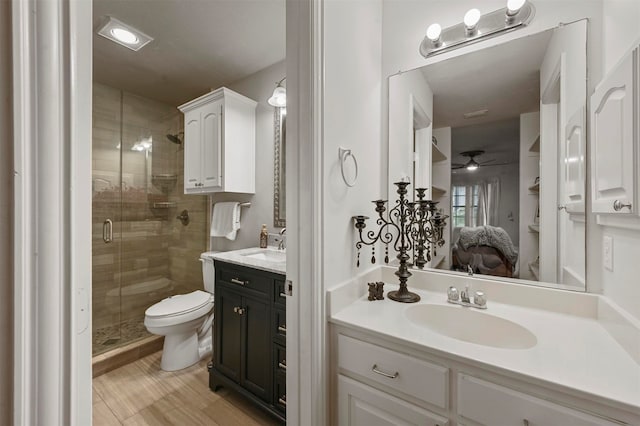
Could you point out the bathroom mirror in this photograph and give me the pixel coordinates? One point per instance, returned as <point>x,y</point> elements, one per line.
<point>279,172</point>
<point>498,138</point>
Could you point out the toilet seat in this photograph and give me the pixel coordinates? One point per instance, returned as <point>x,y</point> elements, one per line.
<point>178,309</point>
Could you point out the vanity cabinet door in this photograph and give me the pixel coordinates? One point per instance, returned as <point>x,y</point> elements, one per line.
<point>490,404</point>
<point>256,348</point>
<point>228,333</point>
<point>614,145</point>
<point>362,405</point>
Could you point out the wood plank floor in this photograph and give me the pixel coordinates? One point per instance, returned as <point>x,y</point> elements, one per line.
<point>141,394</point>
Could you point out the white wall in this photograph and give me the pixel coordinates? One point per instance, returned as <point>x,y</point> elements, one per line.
<point>407,92</point>
<point>259,87</point>
<point>621,29</point>
<point>352,111</point>
<point>6,228</point>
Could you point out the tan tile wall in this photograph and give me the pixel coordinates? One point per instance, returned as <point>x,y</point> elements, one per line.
<point>152,251</point>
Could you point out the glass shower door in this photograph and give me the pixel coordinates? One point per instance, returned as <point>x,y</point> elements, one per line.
<point>106,218</point>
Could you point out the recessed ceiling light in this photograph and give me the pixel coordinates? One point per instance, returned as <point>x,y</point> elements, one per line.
<point>123,34</point>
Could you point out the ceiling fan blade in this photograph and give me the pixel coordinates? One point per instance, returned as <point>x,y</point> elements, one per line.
<point>487,162</point>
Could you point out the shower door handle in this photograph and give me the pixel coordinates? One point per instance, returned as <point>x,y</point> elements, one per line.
<point>107,231</point>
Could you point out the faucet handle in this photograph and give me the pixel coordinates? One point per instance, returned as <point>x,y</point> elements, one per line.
<point>480,299</point>
<point>452,294</point>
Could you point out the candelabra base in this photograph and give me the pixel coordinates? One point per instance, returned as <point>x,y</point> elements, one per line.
<point>403,296</point>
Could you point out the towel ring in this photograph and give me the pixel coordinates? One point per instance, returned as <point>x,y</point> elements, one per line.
<point>343,155</point>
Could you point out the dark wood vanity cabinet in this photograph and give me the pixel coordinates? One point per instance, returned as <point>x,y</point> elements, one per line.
<point>249,335</point>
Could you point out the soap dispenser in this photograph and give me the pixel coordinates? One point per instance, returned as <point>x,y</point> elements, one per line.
<point>264,236</point>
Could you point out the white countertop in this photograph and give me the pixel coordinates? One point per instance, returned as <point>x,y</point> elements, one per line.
<point>572,351</point>
<point>239,257</point>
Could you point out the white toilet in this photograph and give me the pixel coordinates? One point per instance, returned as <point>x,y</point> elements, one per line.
<point>185,320</point>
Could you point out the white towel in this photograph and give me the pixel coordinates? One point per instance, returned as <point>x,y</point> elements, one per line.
<point>225,220</point>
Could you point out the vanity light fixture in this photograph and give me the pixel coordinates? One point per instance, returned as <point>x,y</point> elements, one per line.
<point>279,96</point>
<point>123,34</point>
<point>477,27</point>
<point>433,34</point>
<point>471,19</point>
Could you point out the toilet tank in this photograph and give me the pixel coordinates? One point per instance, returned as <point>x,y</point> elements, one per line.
<point>208,271</point>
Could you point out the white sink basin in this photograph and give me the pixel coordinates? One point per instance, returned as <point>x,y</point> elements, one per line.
<point>267,255</point>
<point>472,326</point>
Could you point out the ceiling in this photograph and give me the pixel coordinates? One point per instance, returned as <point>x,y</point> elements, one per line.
<point>499,139</point>
<point>198,45</point>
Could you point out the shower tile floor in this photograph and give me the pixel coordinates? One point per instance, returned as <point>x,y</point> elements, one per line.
<point>116,335</point>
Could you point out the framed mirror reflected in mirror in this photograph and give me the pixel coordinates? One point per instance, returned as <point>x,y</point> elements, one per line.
<point>279,172</point>
<point>498,138</point>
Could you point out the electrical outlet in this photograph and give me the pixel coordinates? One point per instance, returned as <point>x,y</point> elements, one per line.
<point>607,252</point>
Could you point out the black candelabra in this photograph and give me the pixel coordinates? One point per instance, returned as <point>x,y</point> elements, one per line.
<point>410,227</point>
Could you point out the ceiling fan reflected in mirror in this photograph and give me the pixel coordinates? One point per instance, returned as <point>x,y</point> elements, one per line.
<point>472,164</point>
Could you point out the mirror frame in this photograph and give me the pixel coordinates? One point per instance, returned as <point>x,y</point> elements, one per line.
<point>279,167</point>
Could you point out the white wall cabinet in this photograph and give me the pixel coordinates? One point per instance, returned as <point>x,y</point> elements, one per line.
<point>379,383</point>
<point>614,140</point>
<point>219,143</point>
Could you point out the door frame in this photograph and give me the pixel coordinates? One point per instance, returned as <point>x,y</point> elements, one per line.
<point>51,80</point>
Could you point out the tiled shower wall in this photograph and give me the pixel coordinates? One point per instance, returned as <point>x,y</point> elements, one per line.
<point>152,254</point>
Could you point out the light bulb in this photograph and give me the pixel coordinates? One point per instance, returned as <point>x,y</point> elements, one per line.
<point>124,36</point>
<point>471,18</point>
<point>472,167</point>
<point>433,32</point>
<point>514,6</point>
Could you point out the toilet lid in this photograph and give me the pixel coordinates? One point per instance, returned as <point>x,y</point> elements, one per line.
<point>180,304</point>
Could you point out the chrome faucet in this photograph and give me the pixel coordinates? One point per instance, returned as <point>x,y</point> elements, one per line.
<point>281,243</point>
<point>462,298</point>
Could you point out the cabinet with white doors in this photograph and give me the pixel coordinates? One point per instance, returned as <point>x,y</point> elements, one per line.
<point>378,382</point>
<point>615,123</point>
<point>219,143</point>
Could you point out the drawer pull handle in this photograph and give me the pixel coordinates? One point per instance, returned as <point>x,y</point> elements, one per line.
<point>283,294</point>
<point>282,329</point>
<point>382,373</point>
<point>238,310</point>
<point>239,281</point>
<point>283,400</point>
<point>618,205</point>
<point>283,365</point>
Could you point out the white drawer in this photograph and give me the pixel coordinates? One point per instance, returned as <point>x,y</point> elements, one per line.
<point>420,379</point>
<point>362,405</point>
<point>491,404</point>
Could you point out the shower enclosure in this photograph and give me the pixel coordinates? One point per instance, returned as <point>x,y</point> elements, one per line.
<point>142,252</point>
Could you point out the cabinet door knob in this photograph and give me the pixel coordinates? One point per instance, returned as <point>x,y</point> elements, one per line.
<point>239,281</point>
<point>283,365</point>
<point>618,205</point>
<point>241,311</point>
<point>282,329</point>
<point>382,373</point>
<point>283,400</point>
